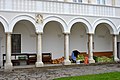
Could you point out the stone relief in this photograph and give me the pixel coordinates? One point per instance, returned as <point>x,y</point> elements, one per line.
<point>39,18</point>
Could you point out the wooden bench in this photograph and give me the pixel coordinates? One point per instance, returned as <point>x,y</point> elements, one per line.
<point>46,57</point>
<point>17,58</point>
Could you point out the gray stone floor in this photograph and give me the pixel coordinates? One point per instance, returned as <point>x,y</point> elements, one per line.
<point>49,73</point>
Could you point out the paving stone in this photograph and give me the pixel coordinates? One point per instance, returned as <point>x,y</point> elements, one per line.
<point>50,73</point>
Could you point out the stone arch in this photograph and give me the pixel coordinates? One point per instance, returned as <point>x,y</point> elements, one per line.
<point>81,20</point>
<point>110,25</point>
<point>22,17</point>
<point>4,23</point>
<point>57,19</point>
<point>118,30</point>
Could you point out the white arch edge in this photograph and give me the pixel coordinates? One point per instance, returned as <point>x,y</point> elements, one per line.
<point>82,20</point>
<point>57,19</point>
<point>107,21</point>
<point>5,24</point>
<point>20,17</point>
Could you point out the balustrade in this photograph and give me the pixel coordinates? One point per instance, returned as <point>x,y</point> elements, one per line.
<point>58,7</point>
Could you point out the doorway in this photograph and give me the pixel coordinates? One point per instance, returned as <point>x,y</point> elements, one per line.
<point>118,49</point>
<point>16,43</point>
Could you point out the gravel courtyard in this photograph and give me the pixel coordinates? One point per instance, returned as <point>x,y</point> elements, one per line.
<point>49,73</point>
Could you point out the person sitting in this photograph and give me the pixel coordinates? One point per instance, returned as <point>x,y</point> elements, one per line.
<point>74,55</point>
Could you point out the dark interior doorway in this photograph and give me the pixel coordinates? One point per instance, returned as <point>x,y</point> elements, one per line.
<point>118,49</point>
<point>16,43</point>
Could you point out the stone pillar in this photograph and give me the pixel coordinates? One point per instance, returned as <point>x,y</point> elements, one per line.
<point>8,64</point>
<point>90,48</point>
<point>115,48</point>
<point>39,62</point>
<point>66,49</point>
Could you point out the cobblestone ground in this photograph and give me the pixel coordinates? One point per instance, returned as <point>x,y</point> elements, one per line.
<point>49,73</point>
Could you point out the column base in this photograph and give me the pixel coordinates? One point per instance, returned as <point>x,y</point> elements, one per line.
<point>91,61</point>
<point>8,66</point>
<point>116,59</point>
<point>39,64</point>
<point>67,62</point>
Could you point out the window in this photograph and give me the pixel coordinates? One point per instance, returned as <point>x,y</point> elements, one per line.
<point>98,1</point>
<point>101,2</point>
<point>77,1</point>
<point>74,0</point>
<point>16,43</point>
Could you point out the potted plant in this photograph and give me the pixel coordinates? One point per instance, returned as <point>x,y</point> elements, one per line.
<point>80,58</point>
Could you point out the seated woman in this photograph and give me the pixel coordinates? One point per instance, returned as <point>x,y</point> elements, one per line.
<point>74,55</point>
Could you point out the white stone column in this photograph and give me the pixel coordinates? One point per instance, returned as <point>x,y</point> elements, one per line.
<point>39,62</point>
<point>90,48</point>
<point>66,49</point>
<point>115,48</point>
<point>8,64</point>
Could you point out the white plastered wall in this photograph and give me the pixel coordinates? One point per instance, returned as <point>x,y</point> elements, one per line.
<point>53,40</point>
<point>28,36</point>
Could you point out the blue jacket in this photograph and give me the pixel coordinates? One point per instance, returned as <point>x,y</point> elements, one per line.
<point>73,57</point>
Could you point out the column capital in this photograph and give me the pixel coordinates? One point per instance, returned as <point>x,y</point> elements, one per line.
<point>90,33</point>
<point>115,34</point>
<point>66,33</point>
<point>8,32</point>
<point>39,33</point>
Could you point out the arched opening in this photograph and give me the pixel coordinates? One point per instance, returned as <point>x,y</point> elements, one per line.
<point>53,39</point>
<point>103,44</point>
<point>23,39</point>
<point>2,43</point>
<point>78,38</point>
<point>102,39</point>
